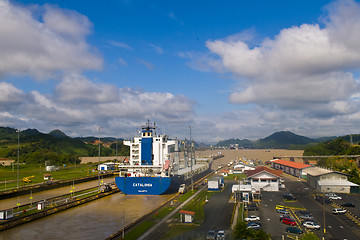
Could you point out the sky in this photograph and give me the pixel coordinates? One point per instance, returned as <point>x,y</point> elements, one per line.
<point>224,69</point>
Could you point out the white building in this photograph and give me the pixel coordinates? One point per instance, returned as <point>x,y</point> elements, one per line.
<point>241,167</point>
<point>264,179</point>
<point>325,180</point>
<point>106,166</point>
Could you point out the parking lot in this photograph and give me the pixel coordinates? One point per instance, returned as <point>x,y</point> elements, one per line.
<point>337,226</point>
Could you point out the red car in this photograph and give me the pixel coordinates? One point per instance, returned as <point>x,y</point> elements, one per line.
<point>289,221</point>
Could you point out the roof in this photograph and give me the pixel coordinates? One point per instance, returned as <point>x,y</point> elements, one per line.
<point>317,171</point>
<point>296,165</point>
<point>250,173</point>
<point>337,183</point>
<point>187,212</point>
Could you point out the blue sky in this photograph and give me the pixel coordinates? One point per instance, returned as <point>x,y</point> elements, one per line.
<point>229,69</point>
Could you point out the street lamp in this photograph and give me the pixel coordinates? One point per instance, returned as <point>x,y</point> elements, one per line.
<point>99,160</point>
<point>18,157</point>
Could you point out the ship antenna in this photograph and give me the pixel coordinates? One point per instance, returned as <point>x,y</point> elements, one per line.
<point>154,128</point>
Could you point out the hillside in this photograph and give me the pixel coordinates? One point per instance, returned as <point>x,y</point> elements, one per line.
<point>56,147</point>
<point>278,140</point>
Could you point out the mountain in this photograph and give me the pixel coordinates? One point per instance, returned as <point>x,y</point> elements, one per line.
<point>235,142</point>
<point>57,133</point>
<point>283,139</point>
<point>278,140</point>
<point>56,147</point>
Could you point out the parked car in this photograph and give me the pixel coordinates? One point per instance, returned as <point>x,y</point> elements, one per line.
<point>348,204</point>
<point>253,225</point>
<point>303,212</point>
<point>211,235</point>
<point>306,217</point>
<point>294,230</point>
<point>282,216</point>
<point>221,235</point>
<point>332,196</point>
<point>252,207</point>
<point>289,221</point>
<point>252,218</point>
<point>289,196</point>
<point>311,225</point>
<point>282,211</point>
<point>338,211</point>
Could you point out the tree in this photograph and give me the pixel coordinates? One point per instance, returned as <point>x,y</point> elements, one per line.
<point>242,232</point>
<point>310,236</point>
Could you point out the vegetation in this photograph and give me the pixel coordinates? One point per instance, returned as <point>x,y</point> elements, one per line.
<point>9,174</point>
<point>334,148</point>
<point>278,140</point>
<point>242,232</point>
<point>310,236</point>
<point>54,148</point>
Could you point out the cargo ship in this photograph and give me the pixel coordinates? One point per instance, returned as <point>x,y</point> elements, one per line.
<point>153,169</point>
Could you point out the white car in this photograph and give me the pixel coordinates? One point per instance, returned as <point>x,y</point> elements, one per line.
<point>332,196</point>
<point>311,225</point>
<point>338,211</point>
<point>221,235</point>
<point>252,218</point>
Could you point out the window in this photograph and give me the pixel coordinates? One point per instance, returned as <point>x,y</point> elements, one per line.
<point>255,180</point>
<point>273,180</point>
<point>263,180</point>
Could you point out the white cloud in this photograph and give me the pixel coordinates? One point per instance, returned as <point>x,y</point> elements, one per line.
<point>121,45</point>
<point>38,48</point>
<point>10,96</point>
<point>305,67</point>
<point>148,65</point>
<point>157,49</point>
<point>122,62</point>
<point>79,104</point>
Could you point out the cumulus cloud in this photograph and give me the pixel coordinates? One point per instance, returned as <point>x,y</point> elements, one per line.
<point>10,96</point>
<point>41,46</point>
<point>306,67</point>
<point>78,103</point>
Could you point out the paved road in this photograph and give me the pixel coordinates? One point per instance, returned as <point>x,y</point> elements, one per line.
<point>336,226</point>
<point>218,212</point>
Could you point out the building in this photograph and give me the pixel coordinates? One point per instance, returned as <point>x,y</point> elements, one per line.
<point>186,216</point>
<point>215,183</point>
<point>292,168</point>
<point>325,180</point>
<point>106,166</point>
<point>241,167</point>
<point>264,179</point>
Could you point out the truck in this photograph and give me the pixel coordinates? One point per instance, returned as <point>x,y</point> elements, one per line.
<point>182,188</point>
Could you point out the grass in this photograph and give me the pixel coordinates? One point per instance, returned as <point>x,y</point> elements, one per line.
<point>9,175</point>
<point>239,176</point>
<point>139,230</point>
<point>177,230</point>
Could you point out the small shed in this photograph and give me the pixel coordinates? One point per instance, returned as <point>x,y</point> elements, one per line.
<point>47,176</point>
<point>6,214</point>
<point>186,216</point>
<point>106,166</point>
<point>215,183</point>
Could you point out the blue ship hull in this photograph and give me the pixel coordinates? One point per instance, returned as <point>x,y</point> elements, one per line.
<point>155,185</point>
<point>143,185</point>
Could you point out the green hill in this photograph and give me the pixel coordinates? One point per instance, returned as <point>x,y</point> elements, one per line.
<point>56,147</point>
<point>278,140</point>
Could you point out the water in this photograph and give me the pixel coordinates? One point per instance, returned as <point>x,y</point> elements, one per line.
<point>39,196</point>
<point>95,220</point>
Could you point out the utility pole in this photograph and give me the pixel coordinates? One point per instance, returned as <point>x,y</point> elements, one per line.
<point>99,161</point>
<point>191,160</point>
<point>18,157</point>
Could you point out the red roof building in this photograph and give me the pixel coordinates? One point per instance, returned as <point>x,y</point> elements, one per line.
<point>292,168</point>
